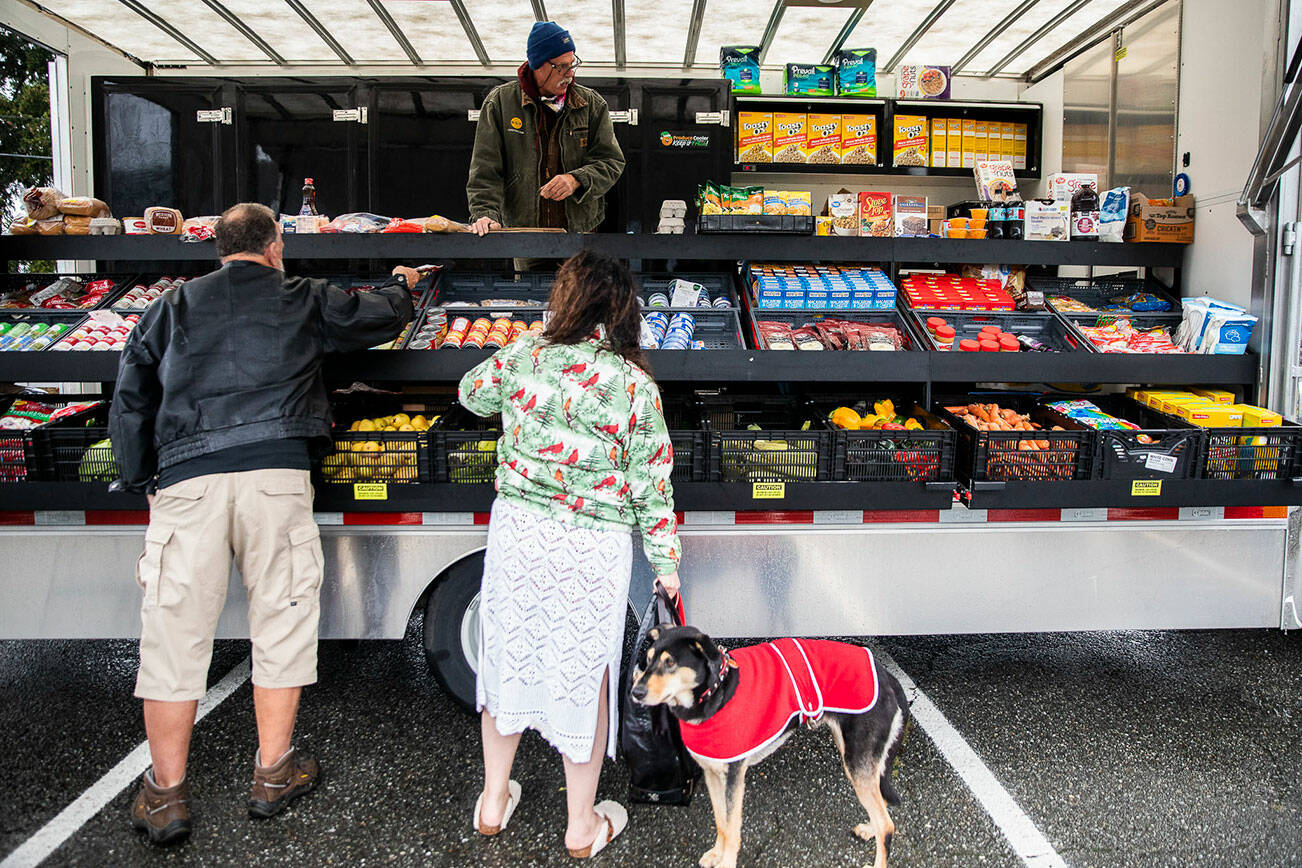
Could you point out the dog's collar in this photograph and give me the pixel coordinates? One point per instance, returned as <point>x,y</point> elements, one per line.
<point>718,677</point>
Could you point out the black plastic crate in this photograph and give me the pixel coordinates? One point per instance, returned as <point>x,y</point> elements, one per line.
<point>717,284</point>
<point>894,456</point>
<point>59,450</point>
<point>790,444</point>
<point>688,437</point>
<point>380,455</point>
<point>716,328</point>
<point>465,447</point>
<point>1158,450</point>
<point>1099,291</point>
<point>474,287</point>
<point>796,318</point>
<point>1141,321</point>
<point>529,316</point>
<point>1019,456</point>
<point>61,322</point>
<point>788,224</point>
<point>1047,328</point>
<point>11,282</point>
<point>1236,454</point>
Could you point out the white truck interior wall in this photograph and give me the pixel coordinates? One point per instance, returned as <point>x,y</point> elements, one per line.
<point>1227,46</point>
<point>1049,92</point>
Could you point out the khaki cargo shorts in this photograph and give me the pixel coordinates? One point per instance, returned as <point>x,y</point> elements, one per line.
<point>260,519</point>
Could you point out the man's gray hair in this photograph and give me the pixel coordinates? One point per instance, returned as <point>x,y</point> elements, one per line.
<point>245,228</point>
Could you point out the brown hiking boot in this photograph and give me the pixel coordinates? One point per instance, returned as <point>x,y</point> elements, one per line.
<point>162,812</point>
<point>276,786</point>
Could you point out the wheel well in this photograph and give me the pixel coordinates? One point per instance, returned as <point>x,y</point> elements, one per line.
<point>418,605</point>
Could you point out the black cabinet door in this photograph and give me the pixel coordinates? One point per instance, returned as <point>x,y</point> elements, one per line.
<point>151,148</point>
<point>289,132</point>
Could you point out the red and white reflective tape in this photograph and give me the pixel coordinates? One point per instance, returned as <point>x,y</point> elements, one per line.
<point>717,518</point>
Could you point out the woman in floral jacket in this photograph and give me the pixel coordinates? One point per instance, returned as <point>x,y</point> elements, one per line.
<point>584,458</point>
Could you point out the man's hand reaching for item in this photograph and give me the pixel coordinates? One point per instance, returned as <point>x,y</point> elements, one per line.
<point>560,187</point>
<point>411,274</point>
<point>484,225</point>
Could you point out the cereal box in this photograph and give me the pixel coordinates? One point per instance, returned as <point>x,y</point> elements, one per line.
<point>912,135</point>
<point>740,65</point>
<point>789,131</point>
<point>911,216</point>
<point>922,82</point>
<point>856,71</point>
<point>875,215</point>
<point>954,157</point>
<point>1006,151</point>
<point>754,137</point>
<point>823,139</point>
<point>809,79</point>
<point>939,142</point>
<point>859,139</point>
<point>982,141</point>
<point>969,144</point>
<point>1019,146</point>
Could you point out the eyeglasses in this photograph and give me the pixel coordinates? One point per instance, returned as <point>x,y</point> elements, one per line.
<point>563,68</point>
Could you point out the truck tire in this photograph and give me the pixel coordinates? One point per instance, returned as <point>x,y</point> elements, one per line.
<point>451,632</point>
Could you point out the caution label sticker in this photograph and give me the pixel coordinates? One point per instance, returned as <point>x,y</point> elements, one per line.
<point>768,490</point>
<point>1146,488</point>
<point>370,491</point>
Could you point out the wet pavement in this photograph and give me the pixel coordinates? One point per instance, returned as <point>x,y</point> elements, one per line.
<point>1124,749</point>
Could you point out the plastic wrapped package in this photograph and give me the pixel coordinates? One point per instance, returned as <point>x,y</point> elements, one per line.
<point>42,203</point>
<point>359,222</point>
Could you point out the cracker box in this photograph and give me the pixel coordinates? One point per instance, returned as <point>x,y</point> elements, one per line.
<point>1259,417</point>
<point>1216,396</point>
<point>1019,146</point>
<point>856,71</point>
<point>823,139</point>
<point>922,82</point>
<point>954,156</point>
<point>911,217</point>
<point>1007,150</point>
<point>1150,221</point>
<point>911,142</point>
<point>789,132</point>
<point>939,142</point>
<point>754,137</point>
<point>740,65</point>
<point>969,143</point>
<point>859,140</point>
<point>982,141</point>
<point>875,215</point>
<point>809,79</point>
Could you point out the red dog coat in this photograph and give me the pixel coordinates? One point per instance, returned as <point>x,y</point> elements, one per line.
<point>778,681</point>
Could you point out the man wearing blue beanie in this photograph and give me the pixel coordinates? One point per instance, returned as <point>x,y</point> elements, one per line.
<point>545,152</point>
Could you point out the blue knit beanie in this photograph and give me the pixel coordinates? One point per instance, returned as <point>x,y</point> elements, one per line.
<point>547,40</point>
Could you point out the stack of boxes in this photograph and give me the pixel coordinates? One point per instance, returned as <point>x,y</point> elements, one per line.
<point>1207,408</point>
<point>820,287</point>
<point>962,143</point>
<point>797,137</point>
<point>952,292</point>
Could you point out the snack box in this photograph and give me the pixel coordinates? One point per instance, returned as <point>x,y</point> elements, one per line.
<point>911,141</point>
<point>823,139</point>
<point>1207,415</point>
<point>922,82</point>
<point>1258,417</point>
<point>754,137</point>
<point>939,142</point>
<point>1047,221</point>
<point>911,217</point>
<point>1163,220</point>
<point>1064,185</point>
<point>856,72</point>
<point>809,79</point>
<point>740,65</point>
<point>968,139</point>
<point>859,140</point>
<point>789,132</point>
<point>875,215</point>
<point>1216,396</point>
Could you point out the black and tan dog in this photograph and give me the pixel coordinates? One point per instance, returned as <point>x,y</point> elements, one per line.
<point>736,708</point>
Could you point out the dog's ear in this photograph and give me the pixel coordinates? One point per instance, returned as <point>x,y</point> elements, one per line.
<point>653,635</point>
<point>708,650</point>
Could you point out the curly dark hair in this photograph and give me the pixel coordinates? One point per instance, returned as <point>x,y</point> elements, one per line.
<point>593,290</point>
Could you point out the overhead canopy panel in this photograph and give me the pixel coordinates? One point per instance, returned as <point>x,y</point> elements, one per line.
<point>1000,37</point>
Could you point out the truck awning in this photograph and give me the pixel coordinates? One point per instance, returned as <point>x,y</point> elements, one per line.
<point>1007,38</point>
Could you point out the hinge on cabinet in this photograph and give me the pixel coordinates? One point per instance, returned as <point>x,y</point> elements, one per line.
<point>472,115</point>
<point>628,116</point>
<point>720,118</point>
<point>352,115</point>
<point>1288,238</point>
<point>214,116</point>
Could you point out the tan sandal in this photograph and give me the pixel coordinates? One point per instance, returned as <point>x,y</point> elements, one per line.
<point>512,799</point>
<point>616,821</point>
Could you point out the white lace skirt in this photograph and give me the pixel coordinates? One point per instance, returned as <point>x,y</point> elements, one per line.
<point>552,612</point>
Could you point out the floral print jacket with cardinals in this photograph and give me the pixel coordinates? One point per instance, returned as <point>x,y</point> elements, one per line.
<point>583,439</point>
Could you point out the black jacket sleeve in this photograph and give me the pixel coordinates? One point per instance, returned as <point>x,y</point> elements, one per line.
<point>360,320</point>
<point>135,403</point>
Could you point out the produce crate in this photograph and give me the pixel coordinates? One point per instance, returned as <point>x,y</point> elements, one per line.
<point>1047,328</point>
<point>780,451</point>
<point>999,456</point>
<point>1242,454</point>
<point>13,282</point>
<point>688,437</point>
<point>787,224</point>
<point>1158,451</point>
<point>398,457</point>
<point>60,450</point>
<point>795,318</point>
<point>461,442</point>
<point>1098,291</point>
<point>894,456</point>
<point>717,284</point>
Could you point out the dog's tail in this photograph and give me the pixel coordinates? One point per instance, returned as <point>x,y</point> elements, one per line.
<point>888,790</point>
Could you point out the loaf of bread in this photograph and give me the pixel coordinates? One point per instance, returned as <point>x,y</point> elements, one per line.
<point>53,226</point>
<point>83,206</point>
<point>75,224</point>
<point>443,224</point>
<point>23,226</point>
<point>163,221</point>
<point>42,203</point>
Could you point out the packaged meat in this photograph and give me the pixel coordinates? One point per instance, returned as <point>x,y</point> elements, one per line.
<point>42,203</point>
<point>163,221</point>
<point>83,206</point>
<point>359,222</point>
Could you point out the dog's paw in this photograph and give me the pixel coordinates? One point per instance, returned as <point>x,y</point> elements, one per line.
<point>712,858</point>
<point>865,831</point>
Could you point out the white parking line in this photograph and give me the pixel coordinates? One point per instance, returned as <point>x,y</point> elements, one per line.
<point>47,839</point>
<point>1027,841</point>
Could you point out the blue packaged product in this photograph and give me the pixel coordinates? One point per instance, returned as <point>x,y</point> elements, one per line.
<point>698,345</point>
<point>658,299</point>
<point>856,71</point>
<point>810,79</point>
<point>740,65</point>
<point>722,302</point>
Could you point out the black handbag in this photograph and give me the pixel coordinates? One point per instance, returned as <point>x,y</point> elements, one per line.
<point>660,770</point>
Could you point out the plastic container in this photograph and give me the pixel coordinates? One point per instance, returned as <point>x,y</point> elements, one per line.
<point>1009,344</point>
<point>894,456</point>
<point>778,452</point>
<point>944,336</point>
<point>1047,328</point>
<point>934,322</point>
<point>999,456</point>
<point>968,345</point>
<point>989,346</point>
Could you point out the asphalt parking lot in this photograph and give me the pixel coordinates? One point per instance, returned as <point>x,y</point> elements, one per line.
<point>1132,749</point>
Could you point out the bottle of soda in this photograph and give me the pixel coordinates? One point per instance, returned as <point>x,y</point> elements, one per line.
<point>1015,220</point>
<point>309,198</point>
<point>995,216</point>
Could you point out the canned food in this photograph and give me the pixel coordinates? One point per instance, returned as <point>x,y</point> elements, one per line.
<point>460,324</point>
<point>722,302</point>
<point>473,341</point>
<point>420,344</point>
<point>657,299</point>
<point>482,321</point>
<point>493,342</point>
<point>453,339</point>
<point>536,326</point>
<point>683,319</point>
<point>703,300</point>
<point>518,328</point>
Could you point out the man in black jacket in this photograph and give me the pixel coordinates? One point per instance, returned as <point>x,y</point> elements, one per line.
<point>219,398</point>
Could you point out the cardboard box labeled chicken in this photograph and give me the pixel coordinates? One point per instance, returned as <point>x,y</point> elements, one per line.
<point>1168,220</point>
